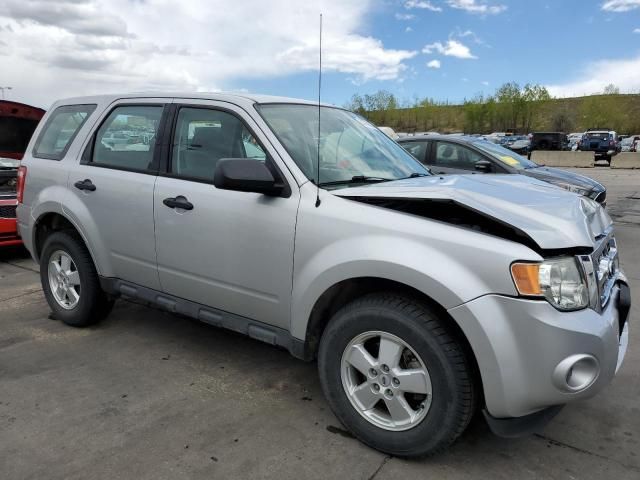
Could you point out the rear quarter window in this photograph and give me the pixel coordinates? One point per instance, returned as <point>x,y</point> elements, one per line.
<point>60,129</point>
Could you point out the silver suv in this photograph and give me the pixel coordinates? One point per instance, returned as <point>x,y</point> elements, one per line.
<point>423,298</point>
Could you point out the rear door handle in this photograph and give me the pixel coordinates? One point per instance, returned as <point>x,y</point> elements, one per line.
<point>178,202</point>
<point>85,184</point>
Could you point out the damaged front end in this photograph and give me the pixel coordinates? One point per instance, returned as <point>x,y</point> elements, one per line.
<point>546,219</point>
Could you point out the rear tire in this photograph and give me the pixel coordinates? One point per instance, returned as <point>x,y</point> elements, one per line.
<point>436,419</point>
<point>70,281</point>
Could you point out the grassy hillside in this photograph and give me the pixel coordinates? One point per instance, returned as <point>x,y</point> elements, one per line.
<point>619,112</point>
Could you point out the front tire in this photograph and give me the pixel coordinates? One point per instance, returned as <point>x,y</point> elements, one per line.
<point>396,376</point>
<point>70,281</point>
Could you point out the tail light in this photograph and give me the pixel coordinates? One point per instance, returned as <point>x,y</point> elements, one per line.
<point>22,180</point>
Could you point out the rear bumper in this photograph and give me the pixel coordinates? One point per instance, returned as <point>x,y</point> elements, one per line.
<point>8,225</point>
<point>9,232</point>
<point>526,350</point>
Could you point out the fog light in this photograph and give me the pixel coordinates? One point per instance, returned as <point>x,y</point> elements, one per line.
<point>576,373</point>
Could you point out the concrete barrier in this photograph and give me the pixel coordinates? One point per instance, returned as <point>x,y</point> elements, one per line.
<point>552,158</point>
<point>626,160</point>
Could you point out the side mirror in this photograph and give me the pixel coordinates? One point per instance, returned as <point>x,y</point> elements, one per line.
<point>246,175</point>
<point>483,166</point>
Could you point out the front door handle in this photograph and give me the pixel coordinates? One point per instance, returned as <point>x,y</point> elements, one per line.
<point>85,184</point>
<point>178,202</point>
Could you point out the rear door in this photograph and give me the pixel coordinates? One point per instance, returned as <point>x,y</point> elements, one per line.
<point>228,250</point>
<point>115,182</point>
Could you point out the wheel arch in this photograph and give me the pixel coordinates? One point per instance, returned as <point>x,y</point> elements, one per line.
<point>345,291</point>
<point>53,221</point>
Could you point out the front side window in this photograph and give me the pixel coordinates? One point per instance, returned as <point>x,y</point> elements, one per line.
<point>204,136</point>
<point>127,138</point>
<point>60,130</point>
<point>352,150</point>
<point>453,155</point>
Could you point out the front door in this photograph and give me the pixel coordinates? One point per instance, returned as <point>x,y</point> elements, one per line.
<point>229,250</point>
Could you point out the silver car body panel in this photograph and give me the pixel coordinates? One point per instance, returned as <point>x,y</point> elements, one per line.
<point>234,250</point>
<point>506,335</point>
<point>251,257</point>
<point>552,217</point>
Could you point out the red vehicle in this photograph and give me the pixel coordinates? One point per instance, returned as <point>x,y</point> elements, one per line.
<point>17,123</point>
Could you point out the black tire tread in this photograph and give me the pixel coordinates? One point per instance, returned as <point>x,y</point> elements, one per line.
<point>100,304</point>
<point>423,314</point>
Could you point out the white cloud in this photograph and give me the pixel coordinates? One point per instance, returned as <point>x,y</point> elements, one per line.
<point>620,5</point>
<point>408,29</point>
<point>62,48</point>
<point>405,16</point>
<point>452,48</point>
<point>485,83</point>
<point>480,7</point>
<point>622,72</point>
<point>421,4</point>
<point>434,64</point>
<point>636,30</point>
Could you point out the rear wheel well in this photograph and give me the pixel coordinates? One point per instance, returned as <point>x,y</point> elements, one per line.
<point>346,291</point>
<point>48,224</point>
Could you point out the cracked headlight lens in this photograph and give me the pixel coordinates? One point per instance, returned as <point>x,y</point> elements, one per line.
<point>559,281</point>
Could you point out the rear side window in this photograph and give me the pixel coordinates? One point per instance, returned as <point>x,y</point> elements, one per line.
<point>61,128</point>
<point>127,138</point>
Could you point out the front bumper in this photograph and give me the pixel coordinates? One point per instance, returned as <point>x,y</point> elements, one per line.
<point>519,345</point>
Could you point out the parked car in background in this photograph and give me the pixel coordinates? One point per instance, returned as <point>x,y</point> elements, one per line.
<point>600,141</point>
<point>519,144</point>
<point>446,155</point>
<point>626,144</point>
<point>549,141</point>
<point>389,132</point>
<point>17,123</point>
<point>574,140</point>
<point>423,298</point>
<point>632,144</point>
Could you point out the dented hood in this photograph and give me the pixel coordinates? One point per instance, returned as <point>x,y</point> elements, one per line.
<point>552,217</point>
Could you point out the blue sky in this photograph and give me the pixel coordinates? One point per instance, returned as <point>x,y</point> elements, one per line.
<point>550,43</point>
<point>51,49</point>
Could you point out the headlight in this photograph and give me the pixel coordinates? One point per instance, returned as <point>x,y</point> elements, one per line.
<point>559,281</point>
<point>573,188</point>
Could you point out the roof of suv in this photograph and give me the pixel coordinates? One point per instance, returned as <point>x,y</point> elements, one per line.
<point>232,97</point>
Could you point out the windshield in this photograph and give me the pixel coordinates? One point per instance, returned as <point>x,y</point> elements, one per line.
<point>351,149</point>
<point>504,155</point>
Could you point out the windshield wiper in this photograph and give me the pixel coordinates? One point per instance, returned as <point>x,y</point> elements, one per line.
<point>357,179</point>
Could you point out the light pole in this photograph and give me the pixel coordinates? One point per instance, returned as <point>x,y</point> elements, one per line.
<point>3,89</point>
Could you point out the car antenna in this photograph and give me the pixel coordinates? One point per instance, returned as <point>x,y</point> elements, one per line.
<point>319,90</point>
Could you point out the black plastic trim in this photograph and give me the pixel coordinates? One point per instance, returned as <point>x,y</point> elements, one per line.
<point>624,305</point>
<point>516,427</point>
<point>212,316</point>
